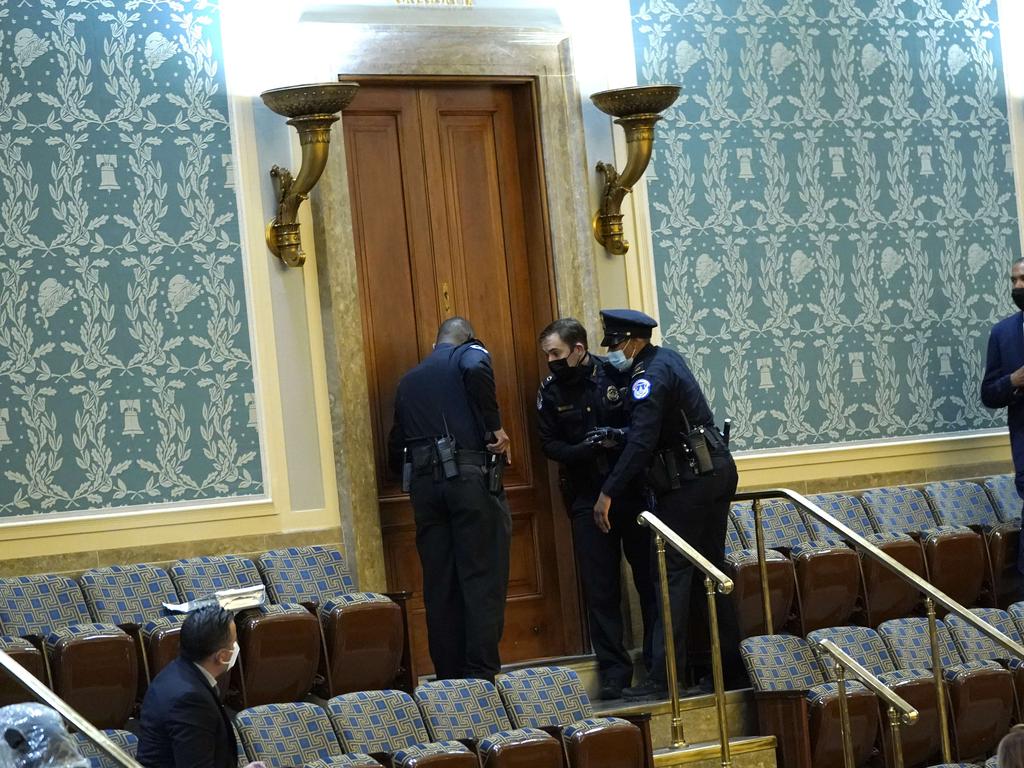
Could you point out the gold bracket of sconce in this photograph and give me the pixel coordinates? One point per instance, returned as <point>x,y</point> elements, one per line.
<point>636,109</point>
<point>311,109</point>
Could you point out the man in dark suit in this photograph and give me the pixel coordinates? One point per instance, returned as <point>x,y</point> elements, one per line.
<point>1003,384</point>
<point>183,722</point>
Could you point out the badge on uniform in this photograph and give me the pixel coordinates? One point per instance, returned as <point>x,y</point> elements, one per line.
<point>612,394</point>
<point>540,400</point>
<point>641,389</point>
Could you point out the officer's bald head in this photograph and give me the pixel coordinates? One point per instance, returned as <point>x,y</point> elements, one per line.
<point>455,330</point>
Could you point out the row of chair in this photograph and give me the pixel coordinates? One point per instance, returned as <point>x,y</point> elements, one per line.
<point>536,717</point>
<point>798,698</point>
<point>99,640</point>
<point>960,536</point>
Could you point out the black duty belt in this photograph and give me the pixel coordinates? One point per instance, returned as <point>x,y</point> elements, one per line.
<point>471,458</point>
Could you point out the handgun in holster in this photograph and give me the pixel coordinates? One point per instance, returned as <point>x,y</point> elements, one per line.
<point>446,456</point>
<point>695,444</point>
<point>406,471</point>
<point>495,472</point>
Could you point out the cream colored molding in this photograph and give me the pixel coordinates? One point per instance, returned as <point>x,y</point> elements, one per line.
<point>878,458</point>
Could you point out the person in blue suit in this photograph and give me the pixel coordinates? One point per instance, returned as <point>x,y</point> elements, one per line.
<point>183,723</point>
<point>1003,384</point>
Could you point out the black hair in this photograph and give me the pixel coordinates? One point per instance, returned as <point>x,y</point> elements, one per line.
<point>205,631</point>
<point>455,330</point>
<point>568,329</point>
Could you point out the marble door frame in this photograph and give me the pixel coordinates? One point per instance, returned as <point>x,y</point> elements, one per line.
<point>428,51</point>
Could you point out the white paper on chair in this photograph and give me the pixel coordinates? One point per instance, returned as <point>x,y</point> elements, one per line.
<point>229,599</point>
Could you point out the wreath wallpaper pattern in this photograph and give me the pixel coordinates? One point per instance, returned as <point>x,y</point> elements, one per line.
<point>833,210</point>
<point>126,375</point>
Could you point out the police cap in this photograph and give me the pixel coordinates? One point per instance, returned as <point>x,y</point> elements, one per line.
<point>622,324</point>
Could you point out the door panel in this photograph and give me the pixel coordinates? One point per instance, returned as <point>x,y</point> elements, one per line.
<point>453,182</point>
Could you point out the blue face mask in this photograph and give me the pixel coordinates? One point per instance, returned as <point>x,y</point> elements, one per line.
<point>619,360</point>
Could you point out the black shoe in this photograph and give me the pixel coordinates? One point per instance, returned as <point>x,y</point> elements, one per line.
<point>649,689</point>
<point>610,691</point>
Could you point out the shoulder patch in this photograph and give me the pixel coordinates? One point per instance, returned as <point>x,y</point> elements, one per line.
<point>547,380</point>
<point>540,400</point>
<point>480,347</point>
<point>641,389</point>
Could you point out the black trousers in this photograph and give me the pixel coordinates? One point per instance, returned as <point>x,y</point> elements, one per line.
<point>463,533</point>
<point>699,513</point>
<point>598,556</point>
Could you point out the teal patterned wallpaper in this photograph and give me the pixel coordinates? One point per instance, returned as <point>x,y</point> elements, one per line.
<point>125,367</point>
<point>833,210</point>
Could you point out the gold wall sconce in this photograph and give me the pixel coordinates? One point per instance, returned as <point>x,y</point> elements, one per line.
<point>636,109</point>
<point>312,109</point>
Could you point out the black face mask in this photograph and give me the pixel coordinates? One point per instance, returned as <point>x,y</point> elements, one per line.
<point>568,374</point>
<point>1018,297</point>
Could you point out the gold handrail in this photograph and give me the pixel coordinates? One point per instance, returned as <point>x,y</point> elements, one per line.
<point>932,595</point>
<point>687,550</point>
<point>713,578</point>
<point>48,697</point>
<point>899,711</point>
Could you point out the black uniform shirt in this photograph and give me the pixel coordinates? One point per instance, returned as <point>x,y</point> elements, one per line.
<point>452,393</point>
<point>568,411</point>
<point>662,385</point>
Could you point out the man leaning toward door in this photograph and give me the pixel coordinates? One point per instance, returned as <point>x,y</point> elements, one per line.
<point>447,440</point>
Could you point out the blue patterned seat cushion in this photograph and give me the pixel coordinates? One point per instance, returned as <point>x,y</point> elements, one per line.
<point>540,697</point>
<point>34,605</point>
<point>162,623</point>
<point>812,549</point>
<point>822,694</point>
<point>780,663</point>
<point>198,577</point>
<point>126,740</point>
<point>583,727</point>
<point>461,709</point>
<point>1002,492</point>
<point>745,556</point>
<point>957,502</point>
<point>128,594</point>
<point>63,634</point>
<point>899,509</point>
<point>304,574</point>
<point>285,735</point>
<point>846,509</point>
<point>11,644</point>
<point>348,760</point>
<point>910,645</point>
<point>863,644</point>
<point>403,757</point>
<point>352,599</point>
<point>904,675</point>
<point>974,646</point>
<point>377,721</point>
<point>733,540</point>
<point>510,738</point>
<point>782,524</point>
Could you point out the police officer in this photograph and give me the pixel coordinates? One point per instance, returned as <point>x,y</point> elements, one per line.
<point>672,440</point>
<point>582,395</point>
<point>447,439</point>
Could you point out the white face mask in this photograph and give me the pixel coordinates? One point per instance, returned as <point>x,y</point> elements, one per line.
<point>234,655</point>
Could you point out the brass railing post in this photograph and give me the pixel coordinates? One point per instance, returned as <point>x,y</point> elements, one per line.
<point>762,565</point>
<point>678,739</point>
<point>716,672</point>
<point>844,716</point>
<point>940,693</point>
<point>894,735</point>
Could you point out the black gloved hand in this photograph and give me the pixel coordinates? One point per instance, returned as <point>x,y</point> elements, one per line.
<point>606,437</point>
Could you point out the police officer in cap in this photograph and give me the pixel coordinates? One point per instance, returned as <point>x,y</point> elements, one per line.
<point>448,442</point>
<point>582,413</point>
<point>673,442</point>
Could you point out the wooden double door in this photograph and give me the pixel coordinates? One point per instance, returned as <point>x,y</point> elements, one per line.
<point>448,214</point>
